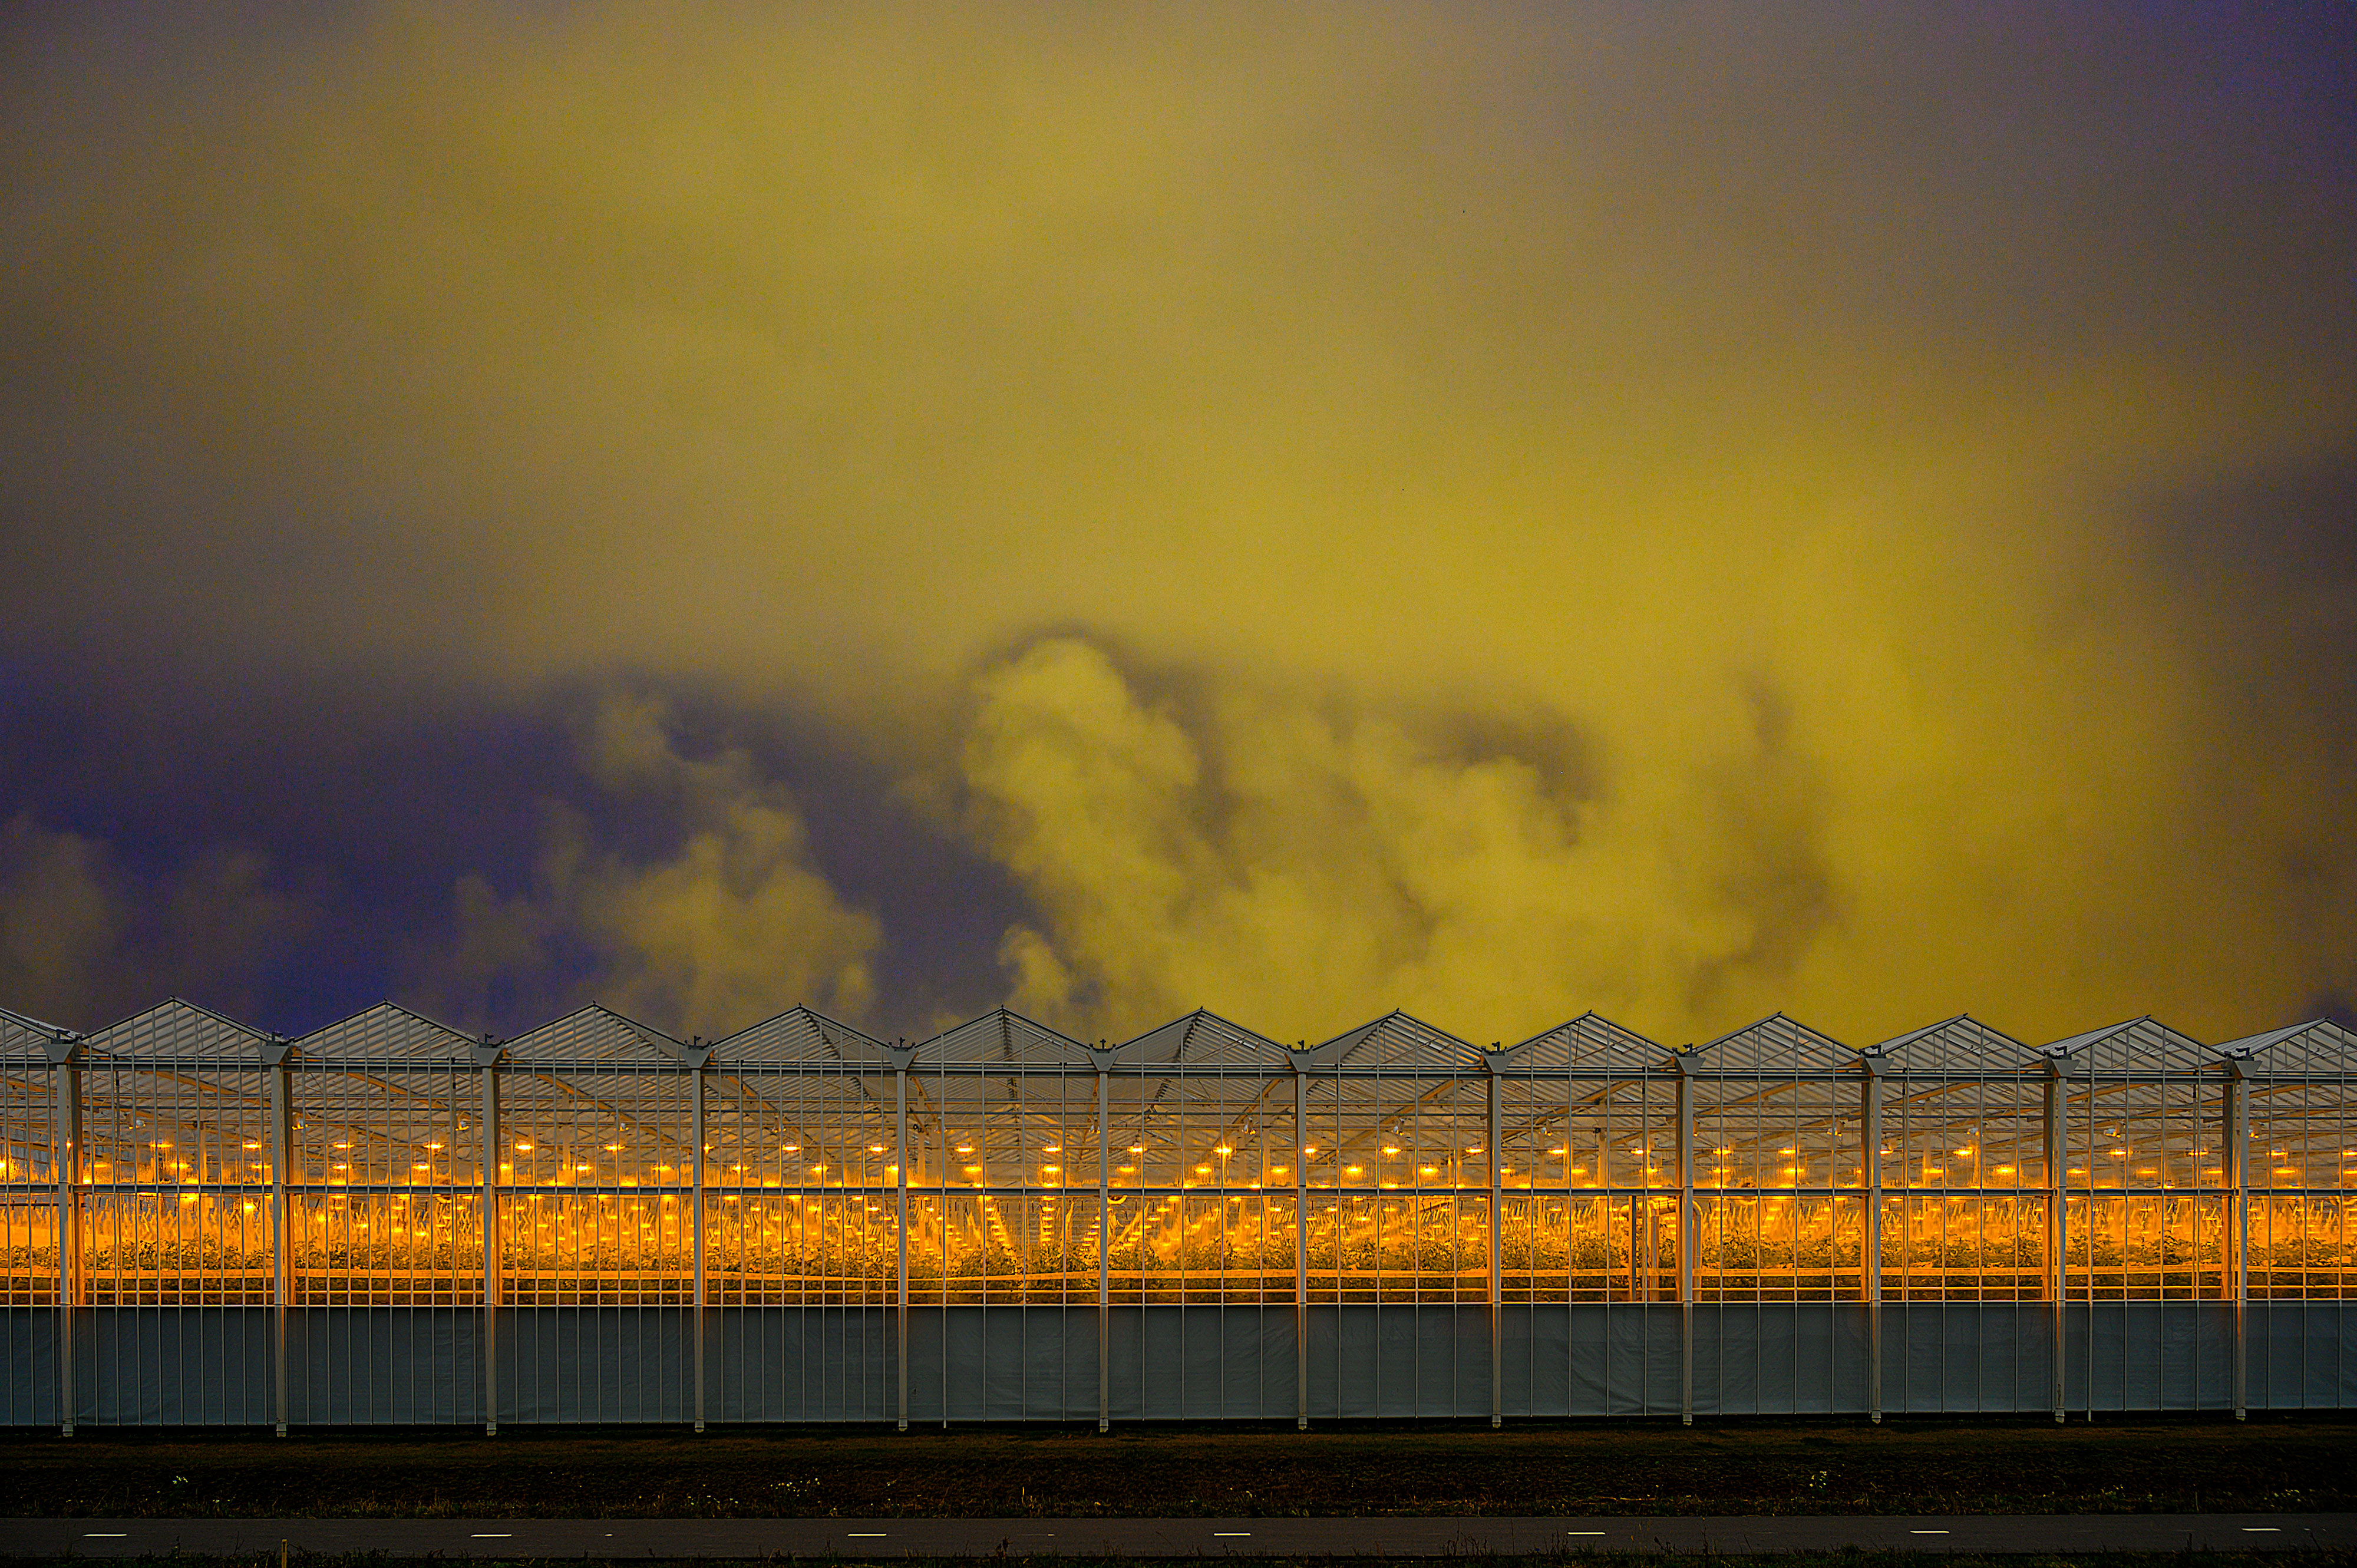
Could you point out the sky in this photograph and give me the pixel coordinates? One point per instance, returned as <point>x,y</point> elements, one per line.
<point>1494,511</point>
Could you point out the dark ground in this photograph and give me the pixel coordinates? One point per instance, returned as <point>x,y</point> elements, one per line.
<point>1944,1467</point>
<point>1584,1559</point>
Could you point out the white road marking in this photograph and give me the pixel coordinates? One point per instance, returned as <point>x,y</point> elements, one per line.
<point>1927,1532</point>
<point>104,1534</point>
<point>2261,1529</point>
<point>1583,1532</point>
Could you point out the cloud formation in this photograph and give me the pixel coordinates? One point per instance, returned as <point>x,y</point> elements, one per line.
<point>84,940</point>
<point>729,926</point>
<point>1668,508</point>
<point>1299,864</point>
<point>1294,864</point>
<point>61,919</point>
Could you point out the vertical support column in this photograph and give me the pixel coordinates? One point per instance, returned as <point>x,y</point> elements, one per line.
<point>1300,1249</point>
<point>2237,1138</point>
<point>488,1190</point>
<point>1497,1275</point>
<point>282,1148</point>
<point>2058,1221</point>
<point>66,1157</point>
<point>695,1214</point>
<point>1686,1247</point>
<point>1870,1241</point>
<point>901,1267</point>
<point>1104,1250</point>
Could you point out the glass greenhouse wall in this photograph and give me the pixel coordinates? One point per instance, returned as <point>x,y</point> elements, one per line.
<point>387,1221</point>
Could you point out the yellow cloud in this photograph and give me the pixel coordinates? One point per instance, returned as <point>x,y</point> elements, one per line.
<point>733,924</point>
<point>1770,410</point>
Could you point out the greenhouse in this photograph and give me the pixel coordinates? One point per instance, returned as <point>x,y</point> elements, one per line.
<point>389,1222</point>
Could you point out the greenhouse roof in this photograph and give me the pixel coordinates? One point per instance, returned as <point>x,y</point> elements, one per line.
<point>2317,1048</point>
<point>1398,1043</point>
<point>1587,1044</point>
<point>1777,1046</point>
<point>175,1030</point>
<point>24,1039</point>
<point>1001,1036</point>
<point>595,1035</point>
<point>1204,1041</point>
<point>1774,1046</point>
<point>2140,1045</point>
<point>800,1038</point>
<point>386,1033</point>
<point>1959,1045</point>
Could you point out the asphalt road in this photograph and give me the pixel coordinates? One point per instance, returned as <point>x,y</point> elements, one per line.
<point>1421,1537</point>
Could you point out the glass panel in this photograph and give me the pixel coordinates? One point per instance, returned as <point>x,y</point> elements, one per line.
<point>26,1149</point>
<point>159,1123</point>
<point>362,1127</point>
<point>176,1249</point>
<point>1570,1134</point>
<point>612,1249</point>
<point>385,1249</point>
<point>805,1130</point>
<point>28,1249</point>
<point>1200,1129</point>
<point>595,1129</point>
<point>803,1250</point>
<point>1773,1247</point>
<point>1588,1249</point>
<point>974,1130</point>
<point>2300,1248</point>
<point>1407,1247</point>
<point>1964,1133</point>
<point>1382,1132</point>
<point>1772,1132</point>
<point>2148,1134</point>
<point>1963,1248</point>
<point>2301,1136</point>
<point>1188,1248</point>
<point>988,1249</point>
<point>2146,1248</point>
